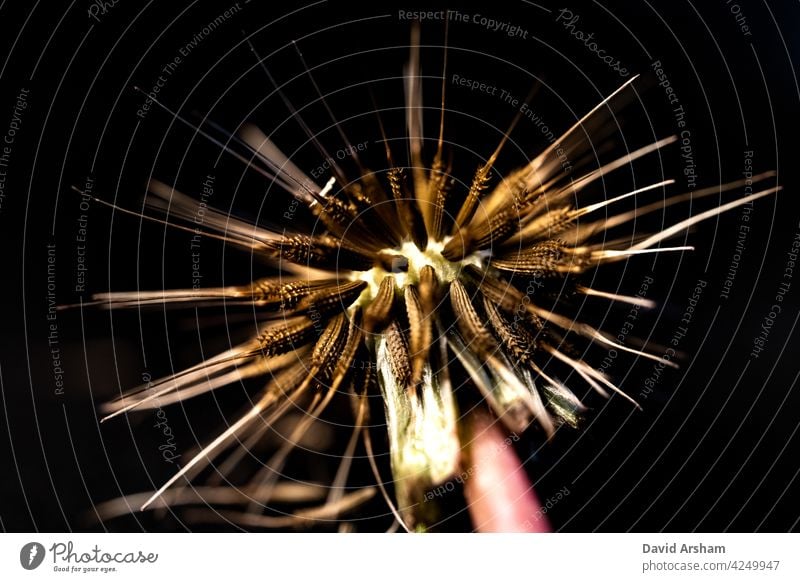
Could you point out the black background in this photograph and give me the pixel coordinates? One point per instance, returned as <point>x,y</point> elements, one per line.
<point>715,447</point>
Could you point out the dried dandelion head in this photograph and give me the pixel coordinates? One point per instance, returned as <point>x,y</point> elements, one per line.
<point>424,283</point>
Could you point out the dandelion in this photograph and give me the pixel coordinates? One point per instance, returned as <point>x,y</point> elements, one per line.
<point>427,284</point>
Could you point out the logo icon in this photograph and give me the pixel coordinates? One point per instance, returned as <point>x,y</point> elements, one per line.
<point>31,555</point>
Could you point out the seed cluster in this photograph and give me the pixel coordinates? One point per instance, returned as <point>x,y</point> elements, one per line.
<point>429,284</point>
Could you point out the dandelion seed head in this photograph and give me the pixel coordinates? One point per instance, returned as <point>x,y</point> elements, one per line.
<point>427,283</point>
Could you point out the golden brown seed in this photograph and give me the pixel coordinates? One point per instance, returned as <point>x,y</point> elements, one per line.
<point>322,252</point>
<point>377,314</point>
<point>544,259</point>
<point>515,337</point>
<point>286,336</point>
<point>475,334</point>
<point>333,298</point>
<point>479,183</point>
<point>398,353</point>
<point>419,332</point>
<point>331,340</point>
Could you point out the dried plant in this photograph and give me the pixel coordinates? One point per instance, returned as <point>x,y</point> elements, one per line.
<point>421,295</point>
